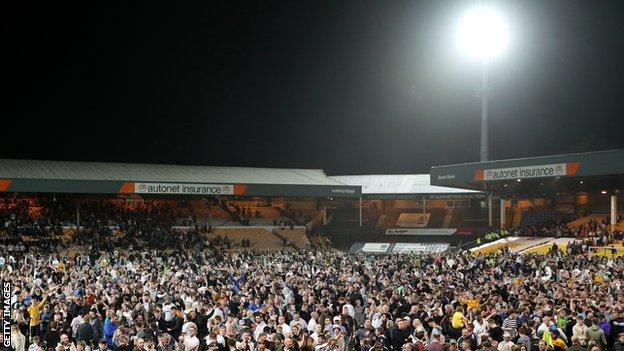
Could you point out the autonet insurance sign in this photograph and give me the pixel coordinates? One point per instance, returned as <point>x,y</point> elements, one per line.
<point>187,189</point>
<point>539,171</point>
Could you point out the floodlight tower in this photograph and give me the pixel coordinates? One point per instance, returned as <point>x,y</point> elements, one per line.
<point>483,34</point>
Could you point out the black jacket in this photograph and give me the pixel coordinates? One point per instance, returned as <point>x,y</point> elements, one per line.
<point>176,327</point>
<point>400,337</point>
<point>85,333</point>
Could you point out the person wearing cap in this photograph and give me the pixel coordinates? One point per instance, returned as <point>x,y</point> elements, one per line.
<point>102,346</point>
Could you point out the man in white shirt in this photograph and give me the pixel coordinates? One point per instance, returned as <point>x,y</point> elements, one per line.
<point>312,323</point>
<point>189,340</point>
<point>281,322</point>
<point>260,324</point>
<point>350,309</point>
<point>297,320</point>
<point>167,309</point>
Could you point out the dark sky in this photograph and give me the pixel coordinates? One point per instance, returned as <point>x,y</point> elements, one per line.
<point>346,86</point>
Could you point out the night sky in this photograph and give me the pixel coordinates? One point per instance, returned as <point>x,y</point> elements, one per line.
<point>352,87</point>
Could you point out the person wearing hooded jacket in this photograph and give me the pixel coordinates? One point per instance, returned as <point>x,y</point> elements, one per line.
<point>594,333</point>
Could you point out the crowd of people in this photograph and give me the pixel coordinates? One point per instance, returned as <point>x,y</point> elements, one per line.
<point>161,289</point>
<point>205,298</point>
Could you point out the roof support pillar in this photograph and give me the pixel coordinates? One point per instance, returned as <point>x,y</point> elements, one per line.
<point>502,214</point>
<point>613,212</point>
<point>489,204</point>
<point>360,211</point>
<point>77,216</point>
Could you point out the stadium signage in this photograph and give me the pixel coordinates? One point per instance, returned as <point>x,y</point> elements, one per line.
<point>539,171</point>
<point>376,247</point>
<point>183,188</point>
<point>466,196</point>
<point>427,231</point>
<point>343,191</point>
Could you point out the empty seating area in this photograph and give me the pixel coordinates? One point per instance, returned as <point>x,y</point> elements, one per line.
<point>296,236</point>
<point>260,239</point>
<point>535,217</point>
<point>266,212</point>
<point>468,217</point>
<point>436,217</point>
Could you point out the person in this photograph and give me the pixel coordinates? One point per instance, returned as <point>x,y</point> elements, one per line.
<point>189,340</point>
<point>617,323</point>
<point>557,342</point>
<point>576,345</point>
<point>18,340</point>
<point>138,344</point>
<point>102,345</point>
<point>468,336</point>
<point>619,344</point>
<point>401,334</point>
<point>122,342</point>
<point>580,331</point>
<point>435,344</point>
<point>506,344</point>
<point>458,322</point>
<point>35,345</point>
<point>595,334</point>
<point>496,332</point>
<point>246,344</point>
<point>510,324</point>
<point>34,314</point>
<point>523,338</point>
<point>84,331</point>
<point>65,344</point>
<point>164,343</point>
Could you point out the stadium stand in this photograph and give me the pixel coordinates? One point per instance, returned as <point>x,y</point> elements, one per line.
<point>533,217</point>
<point>297,237</point>
<point>580,222</point>
<point>260,239</point>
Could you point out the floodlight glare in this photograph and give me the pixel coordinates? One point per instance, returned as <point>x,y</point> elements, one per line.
<point>483,33</point>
